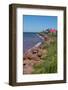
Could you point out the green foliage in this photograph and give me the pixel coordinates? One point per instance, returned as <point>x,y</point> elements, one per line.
<point>45,45</point>
<point>49,64</point>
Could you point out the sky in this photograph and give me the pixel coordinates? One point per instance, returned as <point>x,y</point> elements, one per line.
<point>33,23</point>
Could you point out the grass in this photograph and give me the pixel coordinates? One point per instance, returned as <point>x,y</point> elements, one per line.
<point>49,64</point>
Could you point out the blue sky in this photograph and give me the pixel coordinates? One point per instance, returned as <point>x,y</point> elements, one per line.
<point>34,23</point>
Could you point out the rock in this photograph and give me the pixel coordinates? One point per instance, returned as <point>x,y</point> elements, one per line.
<point>27,70</point>
<point>34,50</point>
<point>28,55</point>
<point>40,47</point>
<point>28,66</point>
<point>39,54</point>
<point>35,57</point>
<point>27,62</point>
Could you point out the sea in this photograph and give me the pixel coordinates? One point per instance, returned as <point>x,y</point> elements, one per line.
<point>30,39</point>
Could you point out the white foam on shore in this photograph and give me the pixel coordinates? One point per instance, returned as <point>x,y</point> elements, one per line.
<point>40,36</point>
<point>38,44</point>
<point>35,46</point>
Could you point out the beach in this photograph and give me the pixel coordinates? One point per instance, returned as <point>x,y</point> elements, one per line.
<point>35,55</point>
<point>30,39</point>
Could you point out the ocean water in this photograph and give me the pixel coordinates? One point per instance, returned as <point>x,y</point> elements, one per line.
<point>30,40</point>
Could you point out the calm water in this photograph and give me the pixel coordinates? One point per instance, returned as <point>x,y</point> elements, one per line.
<point>29,40</point>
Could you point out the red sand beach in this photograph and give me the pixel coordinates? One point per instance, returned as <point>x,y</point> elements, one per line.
<point>33,57</point>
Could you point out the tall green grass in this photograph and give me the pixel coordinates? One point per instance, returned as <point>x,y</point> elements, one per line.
<point>49,63</point>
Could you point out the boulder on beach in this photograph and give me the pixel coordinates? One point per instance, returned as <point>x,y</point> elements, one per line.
<point>39,54</point>
<point>27,62</point>
<point>40,47</point>
<point>28,55</point>
<point>35,57</point>
<point>27,70</point>
<point>34,50</point>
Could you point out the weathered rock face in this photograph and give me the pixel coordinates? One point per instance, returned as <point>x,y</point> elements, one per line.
<point>27,70</point>
<point>31,58</point>
<point>28,56</point>
<point>35,57</point>
<point>27,62</point>
<point>39,54</point>
<point>40,47</point>
<point>27,66</point>
<point>34,50</point>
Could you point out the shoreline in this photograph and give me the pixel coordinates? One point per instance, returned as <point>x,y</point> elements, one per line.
<point>36,45</point>
<point>33,56</point>
<point>40,36</point>
<point>41,54</point>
